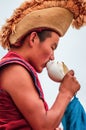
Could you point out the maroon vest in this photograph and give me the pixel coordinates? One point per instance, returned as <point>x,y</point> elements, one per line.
<point>10,117</point>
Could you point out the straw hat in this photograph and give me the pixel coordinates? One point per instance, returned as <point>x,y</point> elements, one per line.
<point>56,15</point>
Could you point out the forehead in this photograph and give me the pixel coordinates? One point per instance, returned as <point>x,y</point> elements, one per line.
<point>55,36</point>
<point>53,40</point>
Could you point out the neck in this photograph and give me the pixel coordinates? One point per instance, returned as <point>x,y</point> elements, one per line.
<point>20,51</point>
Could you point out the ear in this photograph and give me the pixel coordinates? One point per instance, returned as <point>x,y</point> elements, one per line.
<point>33,39</point>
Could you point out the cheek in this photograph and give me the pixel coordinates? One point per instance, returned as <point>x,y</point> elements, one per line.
<point>46,54</point>
<point>45,51</point>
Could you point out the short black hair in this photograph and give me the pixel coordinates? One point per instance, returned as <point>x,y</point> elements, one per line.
<point>44,34</point>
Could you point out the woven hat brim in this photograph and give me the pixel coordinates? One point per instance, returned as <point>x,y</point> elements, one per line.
<point>55,18</point>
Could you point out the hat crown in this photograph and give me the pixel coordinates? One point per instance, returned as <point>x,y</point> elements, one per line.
<point>76,7</point>
<point>59,21</point>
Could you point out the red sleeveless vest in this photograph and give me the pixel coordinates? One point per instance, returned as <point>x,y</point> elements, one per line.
<point>10,116</point>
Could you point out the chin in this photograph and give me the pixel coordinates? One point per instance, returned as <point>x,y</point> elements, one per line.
<point>39,70</point>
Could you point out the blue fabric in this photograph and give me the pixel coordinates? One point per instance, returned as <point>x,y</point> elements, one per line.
<point>74,117</point>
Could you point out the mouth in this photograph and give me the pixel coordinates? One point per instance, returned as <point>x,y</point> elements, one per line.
<point>44,65</point>
<point>47,62</point>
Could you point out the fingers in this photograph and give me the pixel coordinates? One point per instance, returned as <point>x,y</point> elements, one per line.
<point>71,72</point>
<point>70,83</point>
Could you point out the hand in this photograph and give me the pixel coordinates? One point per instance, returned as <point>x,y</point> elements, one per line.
<point>69,84</point>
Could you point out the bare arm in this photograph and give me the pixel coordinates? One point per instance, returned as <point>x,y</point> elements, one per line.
<point>18,83</point>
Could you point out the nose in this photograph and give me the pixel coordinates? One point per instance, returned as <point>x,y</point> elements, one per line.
<point>52,56</point>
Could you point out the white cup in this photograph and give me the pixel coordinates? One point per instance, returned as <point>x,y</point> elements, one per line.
<point>56,70</point>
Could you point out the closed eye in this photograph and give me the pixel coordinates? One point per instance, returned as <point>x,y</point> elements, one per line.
<point>54,46</point>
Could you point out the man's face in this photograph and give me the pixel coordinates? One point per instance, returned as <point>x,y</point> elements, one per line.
<point>45,51</point>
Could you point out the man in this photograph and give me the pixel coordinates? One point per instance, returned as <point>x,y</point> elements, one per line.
<point>31,35</point>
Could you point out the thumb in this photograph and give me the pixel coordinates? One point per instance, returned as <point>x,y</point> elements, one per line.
<point>71,72</point>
